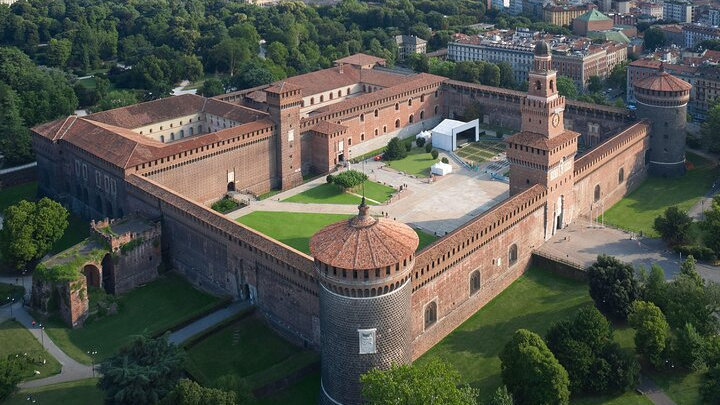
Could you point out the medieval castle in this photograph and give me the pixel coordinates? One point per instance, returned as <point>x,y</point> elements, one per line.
<point>365,298</point>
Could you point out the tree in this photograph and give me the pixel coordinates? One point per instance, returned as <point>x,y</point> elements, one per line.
<point>15,142</point>
<point>653,38</point>
<point>651,331</point>
<point>116,99</point>
<point>711,128</point>
<point>143,372</point>
<point>253,77</point>
<point>613,286</point>
<point>420,142</point>
<point>531,372</point>
<point>618,75</point>
<point>431,383</point>
<point>395,150</point>
<point>428,147</point>
<point>688,269</point>
<point>689,350</point>
<point>58,52</point>
<point>501,397</point>
<point>712,225</point>
<point>238,385</point>
<point>673,226</point>
<point>349,179</point>
<point>189,392</point>
<point>507,77</point>
<point>491,75</point>
<point>686,301</point>
<point>710,390</point>
<point>595,84</point>
<point>566,87</point>
<point>11,372</point>
<point>434,153</point>
<point>30,229</point>
<point>212,87</point>
<point>473,110</point>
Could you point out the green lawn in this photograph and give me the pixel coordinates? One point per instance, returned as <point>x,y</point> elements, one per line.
<point>534,302</point>
<point>332,194</point>
<point>81,392</point>
<point>684,389</point>
<point>16,340</point>
<point>12,195</point>
<point>88,82</point>
<point>303,226</point>
<point>637,211</point>
<point>249,349</point>
<point>152,308</point>
<point>417,163</point>
<point>9,291</point>
<point>304,392</point>
<point>268,194</point>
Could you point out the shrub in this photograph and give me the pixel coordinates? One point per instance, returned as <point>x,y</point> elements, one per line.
<point>329,178</point>
<point>428,147</point>
<point>408,147</point>
<point>699,252</point>
<point>613,286</point>
<point>394,150</point>
<point>434,153</point>
<point>225,205</point>
<point>444,160</point>
<point>349,179</point>
<point>420,142</point>
<point>499,133</point>
<point>673,226</point>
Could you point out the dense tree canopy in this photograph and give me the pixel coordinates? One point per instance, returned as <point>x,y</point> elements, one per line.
<point>430,383</point>
<point>673,226</point>
<point>566,87</point>
<point>651,332</point>
<point>653,38</point>
<point>189,392</point>
<point>11,372</point>
<point>613,286</point>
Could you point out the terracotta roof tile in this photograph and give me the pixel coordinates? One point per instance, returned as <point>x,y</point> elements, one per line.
<point>539,141</point>
<point>324,80</point>
<point>142,114</point>
<point>329,128</point>
<point>364,242</point>
<point>662,81</point>
<point>360,59</point>
<point>233,112</point>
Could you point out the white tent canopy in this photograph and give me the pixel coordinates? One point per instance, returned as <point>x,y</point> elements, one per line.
<point>441,169</point>
<point>444,136</point>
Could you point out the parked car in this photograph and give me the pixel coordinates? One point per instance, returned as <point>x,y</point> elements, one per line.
<point>378,158</point>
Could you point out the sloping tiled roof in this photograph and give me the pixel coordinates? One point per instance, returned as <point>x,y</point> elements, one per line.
<point>540,142</point>
<point>662,81</point>
<point>329,128</point>
<point>233,112</point>
<point>360,59</point>
<point>593,15</point>
<point>364,242</point>
<point>142,114</point>
<point>325,79</point>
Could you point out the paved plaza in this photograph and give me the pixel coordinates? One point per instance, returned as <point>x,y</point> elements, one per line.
<point>437,208</point>
<point>582,242</point>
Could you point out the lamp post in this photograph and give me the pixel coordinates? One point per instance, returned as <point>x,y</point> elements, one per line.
<point>42,336</point>
<point>702,208</point>
<point>92,354</point>
<point>12,301</point>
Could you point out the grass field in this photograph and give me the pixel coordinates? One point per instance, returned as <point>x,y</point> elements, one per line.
<point>10,291</point>
<point>250,350</point>
<point>16,340</point>
<point>304,392</point>
<point>481,151</point>
<point>637,211</point>
<point>332,194</point>
<point>417,163</point>
<point>684,389</point>
<point>534,302</point>
<point>152,308</point>
<point>12,195</point>
<point>304,225</point>
<point>81,392</point>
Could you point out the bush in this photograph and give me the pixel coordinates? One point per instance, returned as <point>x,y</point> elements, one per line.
<point>394,150</point>
<point>349,179</point>
<point>428,147</point>
<point>225,205</point>
<point>613,286</point>
<point>420,142</point>
<point>673,226</point>
<point>444,160</point>
<point>408,147</point>
<point>499,134</point>
<point>330,178</point>
<point>710,390</point>
<point>699,252</point>
<point>434,153</point>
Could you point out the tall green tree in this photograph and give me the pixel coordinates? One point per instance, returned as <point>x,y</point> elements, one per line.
<point>566,87</point>
<point>651,332</point>
<point>430,383</point>
<point>501,397</point>
<point>613,286</point>
<point>595,84</point>
<point>143,372</point>
<point>532,373</point>
<point>30,229</point>
<point>212,87</point>
<point>711,128</point>
<point>188,392</point>
<point>395,150</point>
<point>58,52</point>
<point>15,142</point>
<point>653,38</point>
<point>674,225</point>
<point>689,350</point>
<point>11,372</point>
<point>115,99</point>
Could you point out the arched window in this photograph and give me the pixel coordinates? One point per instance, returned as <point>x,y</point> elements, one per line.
<point>538,85</point>
<point>422,98</point>
<point>384,129</point>
<point>474,282</point>
<point>182,133</point>
<point>331,95</point>
<point>362,136</point>
<point>172,136</point>
<point>322,98</point>
<point>621,175</point>
<point>597,193</point>
<point>409,102</point>
<point>349,141</point>
<point>376,113</point>
<point>362,117</point>
<point>347,92</point>
<point>411,118</point>
<point>512,254</point>
<point>397,123</point>
<point>430,314</point>
<point>376,132</point>
<point>422,115</point>
<point>312,100</point>
<point>551,85</point>
<point>162,138</point>
<point>436,110</point>
<point>339,93</point>
<point>192,131</point>
<point>397,106</point>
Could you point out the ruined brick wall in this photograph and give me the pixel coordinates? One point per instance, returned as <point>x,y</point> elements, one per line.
<point>227,258</point>
<point>602,167</point>
<point>136,266</point>
<point>502,107</point>
<point>443,270</point>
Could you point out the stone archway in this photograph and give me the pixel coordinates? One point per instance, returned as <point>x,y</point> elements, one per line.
<point>108,274</point>
<point>93,275</point>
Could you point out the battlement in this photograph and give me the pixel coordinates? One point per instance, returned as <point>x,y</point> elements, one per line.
<point>118,232</point>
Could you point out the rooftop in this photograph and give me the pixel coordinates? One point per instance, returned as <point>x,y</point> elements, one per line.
<point>360,59</point>
<point>663,81</point>
<point>593,15</point>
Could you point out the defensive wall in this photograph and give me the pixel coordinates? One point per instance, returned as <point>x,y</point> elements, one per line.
<point>501,107</point>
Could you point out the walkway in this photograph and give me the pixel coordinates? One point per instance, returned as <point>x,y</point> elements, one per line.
<point>654,393</point>
<point>208,322</point>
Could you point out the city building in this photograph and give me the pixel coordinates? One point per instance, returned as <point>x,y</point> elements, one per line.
<point>500,4</point>
<point>713,17</point>
<point>593,20</point>
<point>516,7</point>
<point>563,15</point>
<point>674,35</point>
<point>651,9</point>
<point>694,34</point>
<point>7,2</point>
<point>678,11</point>
<point>576,58</point>
<point>410,44</point>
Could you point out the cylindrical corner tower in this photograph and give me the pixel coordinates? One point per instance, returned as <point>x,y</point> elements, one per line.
<point>662,98</point>
<point>364,266</point>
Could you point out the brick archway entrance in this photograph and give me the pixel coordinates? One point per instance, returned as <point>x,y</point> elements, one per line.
<point>93,275</point>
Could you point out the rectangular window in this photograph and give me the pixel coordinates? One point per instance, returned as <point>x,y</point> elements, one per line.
<point>84,171</point>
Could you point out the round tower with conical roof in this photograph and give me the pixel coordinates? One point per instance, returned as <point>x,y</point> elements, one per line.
<point>364,266</point>
<point>662,98</point>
